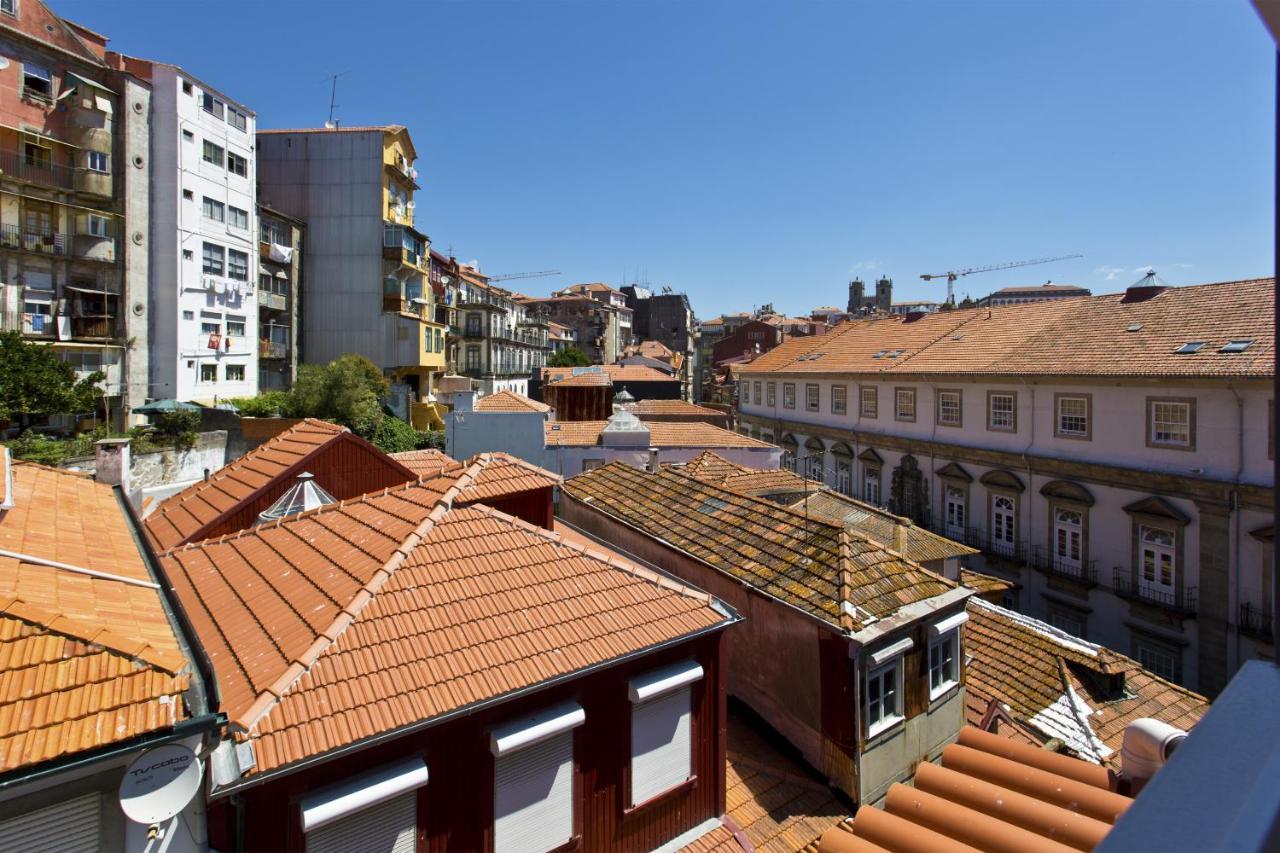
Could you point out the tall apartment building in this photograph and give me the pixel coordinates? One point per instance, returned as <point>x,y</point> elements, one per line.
<point>598,315</point>
<point>280,244</point>
<point>503,339</point>
<point>74,166</point>
<point>367,266</point>
<point>668,319</point>
<point>1109,454</point>
<point>203,319</point>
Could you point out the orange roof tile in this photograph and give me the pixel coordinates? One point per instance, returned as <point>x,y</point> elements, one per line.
<point>509,401</point>
<point>718,840</point>
<point>1085,336</point>
<point>84,660</point>
<point>810,564</point>
<point>1029,667</point>
<point>989,794</point>
<point>290,612</point>
<point>661,434</point>
<point>188,515</point>
<point>641,408</point>
<point>617,373</point>
<point>984,584</point>
<point>427,461</point>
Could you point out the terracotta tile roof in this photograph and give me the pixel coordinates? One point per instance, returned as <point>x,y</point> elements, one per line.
<point>84,661</point>
<point>6,475</point>
<point>617,373</point>
<point>1068,337</point>
<point>188,515</point>
<point>672,407</point>
<point>581,380</point>
<point>509,401</point>
<point>711,467</point>
<point>503,474</point>
<point>989,794</point>
<point>661,434</point>
<point>718,840</point>
<point>1058,685</point>
<point>654,349</point>
<point>362,617</point>
<point>425,462</point>
<point>1040,288</point>
<point>984,584</point>
<point>804,562</point>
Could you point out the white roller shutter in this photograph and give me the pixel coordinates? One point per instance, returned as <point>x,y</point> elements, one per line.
<point>388,827</point>
<point>74,826</point>
<point>661,744</point>
<point>533,796</point>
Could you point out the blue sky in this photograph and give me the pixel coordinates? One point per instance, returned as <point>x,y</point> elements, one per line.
<point>768,152</point>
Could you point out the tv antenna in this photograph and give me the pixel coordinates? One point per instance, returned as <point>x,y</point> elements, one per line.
<point>333,96</point>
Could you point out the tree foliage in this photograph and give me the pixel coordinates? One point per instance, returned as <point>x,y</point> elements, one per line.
<point>34,382</point>
<point>571,357</point>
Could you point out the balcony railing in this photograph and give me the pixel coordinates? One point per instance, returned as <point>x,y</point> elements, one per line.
<point>44,243</point>
<point>1255,622</point>
<point>999,549</point>
<point>1179,601</point>
<point>15,164</point>
<point>272,301</point>
<point>395,304</point>
<point>95,327</point>
<point>272,349</point>
<point>1048,563</point>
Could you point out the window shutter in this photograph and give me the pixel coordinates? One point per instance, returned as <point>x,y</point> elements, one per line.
<point>74,826</point>
<point>533,796</point>
<point>388,827</point>
<point>661,744</point>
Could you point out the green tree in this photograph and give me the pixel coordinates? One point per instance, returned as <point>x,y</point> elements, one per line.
<point>571,357</point>
<point>345,390</point>
<point>34,383</point>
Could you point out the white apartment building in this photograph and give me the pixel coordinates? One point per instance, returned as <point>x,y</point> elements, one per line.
<point>1110,454</point>
<point>204,239</point>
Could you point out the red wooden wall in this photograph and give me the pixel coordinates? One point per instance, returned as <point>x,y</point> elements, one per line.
<point>535,506</point>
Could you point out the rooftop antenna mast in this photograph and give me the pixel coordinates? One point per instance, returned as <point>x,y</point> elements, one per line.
<point>333,96</point>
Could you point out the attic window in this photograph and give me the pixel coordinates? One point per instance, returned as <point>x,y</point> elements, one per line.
<point>1189,347</point>
<point>1237,345</point>
<point>1134,327</point>
<point>710,505</point>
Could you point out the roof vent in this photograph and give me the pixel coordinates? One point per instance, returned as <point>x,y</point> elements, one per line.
<point>1134,327</point>
<point>1147,746</point>
<point>303,495</point>
<point>1145,288</point>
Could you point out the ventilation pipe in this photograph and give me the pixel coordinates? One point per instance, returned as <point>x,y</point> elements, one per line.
<point>1147,746</point>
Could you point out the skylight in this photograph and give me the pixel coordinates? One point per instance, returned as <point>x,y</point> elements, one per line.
<point>1189,347</point>
<point>1135,327</point>
<point>880,354</point>
<point>711,505</point>
<point>1237,345</point>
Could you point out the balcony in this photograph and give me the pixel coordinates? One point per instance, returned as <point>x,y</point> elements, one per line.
<point>90,247</point>
<point>398,305</point>
<point>401,246</point>
<point>1181,601</point>
<point>1050,564</point>
<point>1255,622</point>
<point>993,548</point>
<point>39,171</point>
<point>97,328</point>
<point>273,301</point>
<point>272,349</point>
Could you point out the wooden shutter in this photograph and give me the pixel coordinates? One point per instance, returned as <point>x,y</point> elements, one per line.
<point>388,827</point>
<point>661,744</point>
<point>74,826</point>
<point>533,796</point>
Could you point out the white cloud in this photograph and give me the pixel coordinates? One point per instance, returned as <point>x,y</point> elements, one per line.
<point>869,265</point>
<point>1109,272</point>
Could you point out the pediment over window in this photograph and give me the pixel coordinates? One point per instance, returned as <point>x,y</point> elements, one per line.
<point>788,441</point>
<point>841,449</point>
<point>1002,479</point>
<point>952,471</point>
<point>815,444</point>
<point>1067,491</point>
<point>1158,508</point>
<point>871,457</point>
<point>1264,534</point>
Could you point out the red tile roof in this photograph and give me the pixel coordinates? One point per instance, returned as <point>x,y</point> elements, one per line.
<point>425,462</point>
<point>641,408</point>
<point>85,661</point>
<point>509,401</point>
<point>617,373</point>
<point>365,616</point>
<point>661,434</point>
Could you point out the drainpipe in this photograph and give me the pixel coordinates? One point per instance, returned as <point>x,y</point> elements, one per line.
<point>1235,517</point>
<point>1026,463</point>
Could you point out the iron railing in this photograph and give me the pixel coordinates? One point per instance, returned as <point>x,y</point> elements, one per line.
<point>16,164</point>
<point>1046,562</point>
<point>1255,621</point>
<point>1181,600</point>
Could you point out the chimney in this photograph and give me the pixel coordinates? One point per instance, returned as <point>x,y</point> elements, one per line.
<point>111,462</point>
<point>900,537</point>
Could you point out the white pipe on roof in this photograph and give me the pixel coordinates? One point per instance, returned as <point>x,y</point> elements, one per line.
<point>93,573</point>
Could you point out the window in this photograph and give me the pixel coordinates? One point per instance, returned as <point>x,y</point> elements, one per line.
<point>213,210</point>
<point>884,705</point>
<point>590,464</point>
<point>188,255</point>
<point>209,373</point>
<point>96,161</point>
<point>188,136</point>
<point>844,476</point>
<point>1170,423</point>
<point>186,87</point>
<point>235,326</point>
<point>1189,348</point>
<point>1068,541</point>
<point>97,226</point>
<point>9,7</point>
<point>1068,620</point>
<point>210,324</point>
<point>213,106</point>
<point>235,372</point>
<point>214,154</point>
<point>473,358</point>
<point>37,82</point>
<point>788,395</point>
<point>1157,558</point>
<point>771,395</point>
<point>757,392</point>
<point>837,399</point>
<point>904,404</point>
<point>1164,659</point>
<point>390,824</point>
<point>533,780</point>
<point>949,412</point>
<point>871,485</point>
<point>188,195</point>
<point>37,156</point>
<point>811,397</point>
<point>188,315</point>
<point>954,509</point>
<point>237,165</point>
<point>213,259</point>
<point>1002,411</point>
<point>238,265</point>
<point>238,218</point>
<point>1239,345</point>
<point>944,669</point>
<point>1003,515</point>
<point>236,119</point>
<point>661,730</point>
<point>870,396</point>
<point>1072,415</point>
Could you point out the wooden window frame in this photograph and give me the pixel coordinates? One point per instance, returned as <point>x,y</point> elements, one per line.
<point>841,392</point>
<point>1190,403</point>
<point>937,407</point>
<point>1013,395</point>
<point>875,401</point>
<point>789,393</point>
<point>812,397</point>
<point>897,411</point>
<point>1058,397</point>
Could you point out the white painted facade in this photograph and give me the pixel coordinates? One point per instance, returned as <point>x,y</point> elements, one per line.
<point>204,246</point>
<point>1101,542</point>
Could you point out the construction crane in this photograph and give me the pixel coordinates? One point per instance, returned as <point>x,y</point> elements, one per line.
<point>510,276</point>
<point>952,276</point>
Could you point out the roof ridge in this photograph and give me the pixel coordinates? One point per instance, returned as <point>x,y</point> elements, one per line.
<point>84,631</point>
<point>503,456</point>
<point>269,696</point>
<point>809,519</point>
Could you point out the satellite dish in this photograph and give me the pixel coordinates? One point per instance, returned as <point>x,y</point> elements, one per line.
<point>159,783</point>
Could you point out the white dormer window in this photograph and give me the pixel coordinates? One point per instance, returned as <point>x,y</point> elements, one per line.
<point>884,697</point>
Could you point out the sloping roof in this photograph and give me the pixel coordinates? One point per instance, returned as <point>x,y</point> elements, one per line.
<point>654,349</point>
<point>984,584</point>
<point>1055,683</point>
<point>509,401</point>
<point>711,467</point>
<point>672,407</point>
<point>661,434</point>
<point>616,373</point>
<point>1068,337</point>
<point>188,515</point>
<point>397,607</point>
<point>807,563</point>
<point>1041,288</point>
<point>84,661</point>
<point>581,380</point>
<point>425,462</point>
<point>989,794</point>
